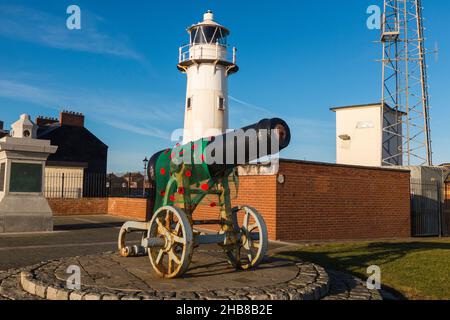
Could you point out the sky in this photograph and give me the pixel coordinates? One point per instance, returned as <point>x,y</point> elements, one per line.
<point>297,59</point>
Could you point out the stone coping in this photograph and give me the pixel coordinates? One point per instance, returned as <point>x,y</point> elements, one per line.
<point>308,282</point>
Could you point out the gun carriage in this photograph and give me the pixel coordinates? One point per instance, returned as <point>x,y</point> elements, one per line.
<point>186,175</point>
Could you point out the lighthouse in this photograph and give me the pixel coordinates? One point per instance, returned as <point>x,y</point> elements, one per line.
<point>207,61</point>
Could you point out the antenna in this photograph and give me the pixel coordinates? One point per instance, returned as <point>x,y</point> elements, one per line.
<point>404,85</point>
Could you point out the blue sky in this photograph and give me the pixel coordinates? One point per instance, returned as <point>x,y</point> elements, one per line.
<point>298,58</point>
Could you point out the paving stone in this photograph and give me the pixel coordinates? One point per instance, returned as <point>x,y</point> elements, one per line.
<point>130,298</point>
<point>27,285</point>
<point>76,295</point>
<point>186,295</point>
<point>57,294</point>
<point>92,296</point>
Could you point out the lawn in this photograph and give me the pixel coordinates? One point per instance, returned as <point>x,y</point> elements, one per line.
<point>417,269</point>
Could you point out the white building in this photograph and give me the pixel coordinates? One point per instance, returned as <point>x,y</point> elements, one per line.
<point>360,138</point>
<point>207,62</point>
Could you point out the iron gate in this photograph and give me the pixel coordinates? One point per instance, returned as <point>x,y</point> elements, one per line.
<point>427,208</point>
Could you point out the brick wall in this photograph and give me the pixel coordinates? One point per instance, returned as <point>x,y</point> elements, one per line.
<point>255,191</point>
<point>325,202</point>
<point>128,207</point>
<point>316,202</point>
<point>83,206</point>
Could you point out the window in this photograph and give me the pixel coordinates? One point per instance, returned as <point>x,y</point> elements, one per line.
<point>189,103</point>
<point>209,34</point>
<point>221,103</point>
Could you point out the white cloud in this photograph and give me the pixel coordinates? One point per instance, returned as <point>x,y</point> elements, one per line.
<point>39,27</point>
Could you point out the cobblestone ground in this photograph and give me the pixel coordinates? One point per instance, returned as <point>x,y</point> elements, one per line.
<point>274,280</point>
<point>347,287</point>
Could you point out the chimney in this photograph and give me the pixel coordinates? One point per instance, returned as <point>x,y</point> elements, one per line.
<point>70,118</point>
<point>45,121</point>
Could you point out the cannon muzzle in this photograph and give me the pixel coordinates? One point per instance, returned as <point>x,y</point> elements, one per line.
<point>242,146</point>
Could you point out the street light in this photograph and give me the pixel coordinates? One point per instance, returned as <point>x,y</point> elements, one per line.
<point>145,161</point>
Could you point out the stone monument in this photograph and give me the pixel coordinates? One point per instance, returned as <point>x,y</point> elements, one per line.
<point>23,207</point>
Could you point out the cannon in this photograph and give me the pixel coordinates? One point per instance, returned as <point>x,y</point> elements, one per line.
<point>182,178</point>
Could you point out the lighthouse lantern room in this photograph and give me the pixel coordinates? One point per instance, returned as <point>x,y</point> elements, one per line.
<point>207,62</point>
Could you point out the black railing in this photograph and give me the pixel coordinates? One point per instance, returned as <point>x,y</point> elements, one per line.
<point>428,214</point>
<point>95,185</point>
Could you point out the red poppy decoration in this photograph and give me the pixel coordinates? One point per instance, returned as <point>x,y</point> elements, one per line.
<point>177,145</point>
<point>181,152</point>
<point>194,147</point>
<point>213,204</point>
<point>181,190</point>
<point>167,151</point>
<point>204,187</point>
<point>162,193</point>
<point>188,173</point>
<point>172,198</point>
<point>202,157</point>
<point>162,171</point>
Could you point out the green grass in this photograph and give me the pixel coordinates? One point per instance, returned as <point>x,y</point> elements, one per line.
<point>417,269</point>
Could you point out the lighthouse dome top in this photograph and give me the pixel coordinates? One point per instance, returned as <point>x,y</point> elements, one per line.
<point>208,31</point>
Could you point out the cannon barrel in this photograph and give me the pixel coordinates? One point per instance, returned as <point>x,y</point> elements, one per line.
<point>264,138</point>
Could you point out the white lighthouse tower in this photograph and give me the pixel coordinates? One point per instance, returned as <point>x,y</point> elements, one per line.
<point>207,62</point>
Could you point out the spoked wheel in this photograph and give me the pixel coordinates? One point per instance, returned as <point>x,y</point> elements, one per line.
<point>253,242</point>
<point>171,225</point>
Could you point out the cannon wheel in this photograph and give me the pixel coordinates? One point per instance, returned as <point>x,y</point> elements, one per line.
<point>173,226</point>
<point>253,242</point>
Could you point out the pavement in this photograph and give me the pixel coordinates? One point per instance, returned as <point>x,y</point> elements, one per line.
<point>72,236</point>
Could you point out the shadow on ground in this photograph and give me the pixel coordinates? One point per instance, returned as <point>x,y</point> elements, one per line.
<point>84,226</point>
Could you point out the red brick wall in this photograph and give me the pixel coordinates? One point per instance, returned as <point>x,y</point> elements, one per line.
<point>132,208</point>
<point>316,202</point>
<point>83,206</point>
<point>325,202</point>
<point>128,207</point>
<point>255,191</point>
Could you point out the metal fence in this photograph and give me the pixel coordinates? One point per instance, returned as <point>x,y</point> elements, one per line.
<point>95,185</point>
<point>429,215</point>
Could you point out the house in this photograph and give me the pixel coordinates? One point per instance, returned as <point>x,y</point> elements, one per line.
<point>81,159</point>
<point>2,131</point>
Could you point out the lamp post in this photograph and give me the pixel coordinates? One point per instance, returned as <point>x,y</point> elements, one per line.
<point>145,161</point>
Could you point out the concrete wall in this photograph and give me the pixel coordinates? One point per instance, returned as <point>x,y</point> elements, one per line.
<point>362,125</point>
